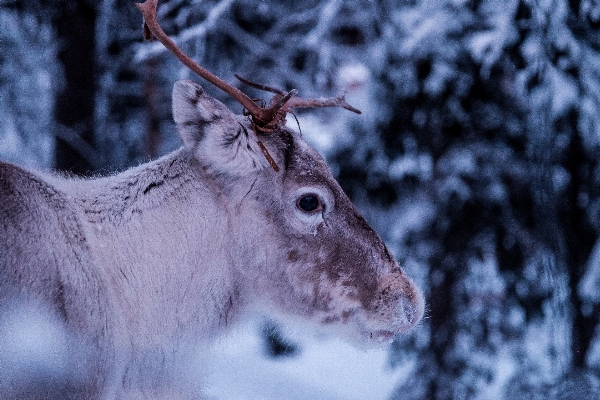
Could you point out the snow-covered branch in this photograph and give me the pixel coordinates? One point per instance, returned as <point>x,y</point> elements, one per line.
<point>197,32</point>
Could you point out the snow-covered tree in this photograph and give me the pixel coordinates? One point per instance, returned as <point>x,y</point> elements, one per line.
<point>477,154</point>
<point>28,71</point>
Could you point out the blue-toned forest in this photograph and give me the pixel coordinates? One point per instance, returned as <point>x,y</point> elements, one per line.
<point>476,156</point>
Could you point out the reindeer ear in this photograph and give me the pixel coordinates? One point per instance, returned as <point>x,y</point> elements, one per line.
<point>214,134</point>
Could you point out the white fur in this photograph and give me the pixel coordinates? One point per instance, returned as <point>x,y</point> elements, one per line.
<point>139,267</point>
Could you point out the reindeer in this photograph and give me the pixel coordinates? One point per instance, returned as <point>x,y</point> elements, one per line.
<point>140,267</point>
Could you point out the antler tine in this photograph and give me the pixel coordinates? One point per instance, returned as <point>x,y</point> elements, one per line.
<point>298,102</point>
<point>259,86</point>
<point>338,101</point>
<point>260,116</point>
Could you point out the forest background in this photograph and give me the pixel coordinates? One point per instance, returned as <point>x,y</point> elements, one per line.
<point>476,157</point>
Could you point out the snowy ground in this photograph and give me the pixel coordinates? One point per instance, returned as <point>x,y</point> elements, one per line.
<point>237,367</point>
<point>324,368</point>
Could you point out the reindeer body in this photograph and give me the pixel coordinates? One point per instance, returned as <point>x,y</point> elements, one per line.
<point>142,266</point>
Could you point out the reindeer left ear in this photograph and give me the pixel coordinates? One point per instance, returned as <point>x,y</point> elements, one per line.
<point>214,134</point>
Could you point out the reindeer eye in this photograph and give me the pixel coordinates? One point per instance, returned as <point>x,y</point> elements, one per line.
<point>309,203</point>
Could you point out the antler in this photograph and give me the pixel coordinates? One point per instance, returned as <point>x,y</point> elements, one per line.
<point>264,119</point>
<point>298,102</point>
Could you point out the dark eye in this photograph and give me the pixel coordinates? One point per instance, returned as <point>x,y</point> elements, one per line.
<point>308,203</point>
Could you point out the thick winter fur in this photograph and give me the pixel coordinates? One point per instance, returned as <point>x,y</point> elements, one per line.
<point>140,267</point>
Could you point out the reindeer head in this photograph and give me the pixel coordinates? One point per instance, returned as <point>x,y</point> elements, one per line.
<point>300,246</point>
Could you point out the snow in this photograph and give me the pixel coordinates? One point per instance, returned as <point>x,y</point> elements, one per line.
<point>325,368</point>
<point>563,91</point>
<point>589,286</point>
<point>33,347</point>
<point>427,55</point>
<point>409,165</point>
<point>197,32</point>
<point>28,80</point>
<point>504,371</point>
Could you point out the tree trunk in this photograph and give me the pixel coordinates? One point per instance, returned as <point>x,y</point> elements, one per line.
<point>74,107</point>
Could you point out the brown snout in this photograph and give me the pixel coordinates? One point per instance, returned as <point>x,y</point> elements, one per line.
<point>398,305</point>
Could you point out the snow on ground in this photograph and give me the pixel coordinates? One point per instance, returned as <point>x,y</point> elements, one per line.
<point>324,368</point>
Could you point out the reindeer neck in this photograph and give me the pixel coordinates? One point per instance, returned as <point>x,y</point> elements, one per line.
<point>168,212</point>
<point>117,199</point>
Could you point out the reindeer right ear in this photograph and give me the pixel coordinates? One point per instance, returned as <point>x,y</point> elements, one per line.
<point>213,133</point>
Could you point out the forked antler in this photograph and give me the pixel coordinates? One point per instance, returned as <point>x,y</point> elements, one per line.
<point>263,118</point>
<point>298,102</point>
